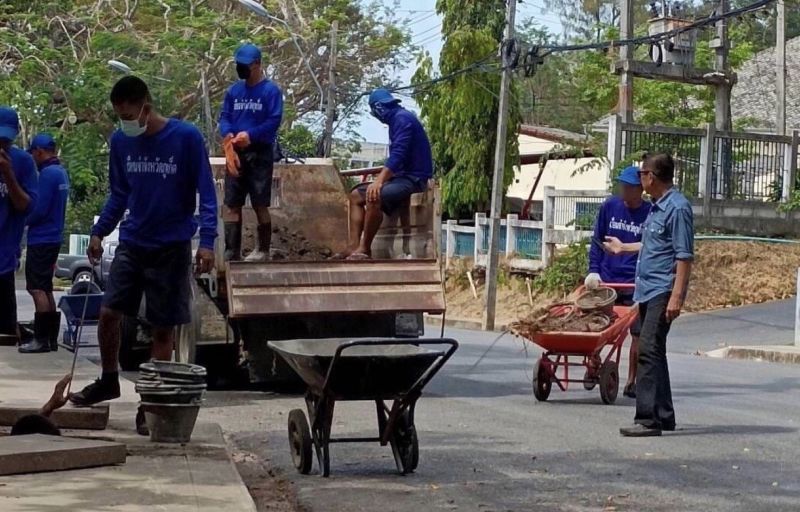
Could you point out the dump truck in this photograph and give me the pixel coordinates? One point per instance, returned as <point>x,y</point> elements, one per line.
<point>301,292</point>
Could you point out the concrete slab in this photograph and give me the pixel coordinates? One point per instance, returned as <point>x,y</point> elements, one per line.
<point>773,353</point>
<point>37,453</point>
<point>81,418</point>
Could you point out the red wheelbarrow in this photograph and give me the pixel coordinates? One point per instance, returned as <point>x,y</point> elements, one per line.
<point>597,352</point>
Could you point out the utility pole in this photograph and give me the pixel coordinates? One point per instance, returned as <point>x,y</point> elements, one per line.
<point>780,68</point>
<point>330,107</point>
<point>625,102</point>
<point>721,46</point>
<point>499,172</point>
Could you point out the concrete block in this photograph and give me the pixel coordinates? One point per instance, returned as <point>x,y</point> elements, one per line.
<point>84,418</point>
<point>37,453</point>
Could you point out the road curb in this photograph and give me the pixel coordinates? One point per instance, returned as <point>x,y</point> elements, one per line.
<point>787,354</point>
<point>458,323</point>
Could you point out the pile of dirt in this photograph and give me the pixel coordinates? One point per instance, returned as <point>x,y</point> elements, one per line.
<point>286,244</point>
<point>727,274</point>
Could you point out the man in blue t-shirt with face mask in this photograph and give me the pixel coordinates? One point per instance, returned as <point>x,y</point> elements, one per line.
<point>248,123</point>
<point>157,169</point>
<point>18,192</point>
<point>622,217</point>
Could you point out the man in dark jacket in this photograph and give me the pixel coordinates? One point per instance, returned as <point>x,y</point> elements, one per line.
<point>406,171</point>
<point>45,235</point>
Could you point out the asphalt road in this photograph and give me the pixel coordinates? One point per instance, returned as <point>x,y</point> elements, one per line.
<point>487,445</point>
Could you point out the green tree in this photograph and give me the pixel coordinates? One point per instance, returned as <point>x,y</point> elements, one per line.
<point>461,113</point>
<point>54,71</point>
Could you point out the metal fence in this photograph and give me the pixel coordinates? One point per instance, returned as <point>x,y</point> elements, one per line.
<point>577,212</point>
<point>749,166</point>
<point>715,165</point>
<point>683,144</point>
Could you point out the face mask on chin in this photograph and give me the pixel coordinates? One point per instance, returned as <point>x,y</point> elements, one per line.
<point>132,128</point>
<point>243,71</point>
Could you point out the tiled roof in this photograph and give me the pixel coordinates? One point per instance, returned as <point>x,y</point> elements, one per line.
<point>753,97</point>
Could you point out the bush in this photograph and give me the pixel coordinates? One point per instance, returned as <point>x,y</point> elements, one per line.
<point>566,272</point>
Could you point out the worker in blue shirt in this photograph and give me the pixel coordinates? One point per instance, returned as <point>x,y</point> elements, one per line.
<point>666,253</point>
<point>406,171</point>
<point>45,235</point>
<point>620,216</point>
<point>157,168</point>
<point>18,191</point>
<point>249,121</point>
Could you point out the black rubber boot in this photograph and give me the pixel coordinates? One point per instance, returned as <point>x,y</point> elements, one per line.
<point>55,330</point>
<point>41,338</point>
<point>233,241</point>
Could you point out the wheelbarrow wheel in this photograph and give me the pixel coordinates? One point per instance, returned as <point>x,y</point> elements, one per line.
<point>300,441</point>
<point>588,382</point>
<point>405,445</point>
<point>609,382</point>
<point>541,380</point>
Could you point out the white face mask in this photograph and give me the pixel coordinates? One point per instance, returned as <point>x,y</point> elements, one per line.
<point>132,128</point>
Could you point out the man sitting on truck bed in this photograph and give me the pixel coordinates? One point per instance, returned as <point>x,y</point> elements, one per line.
<point>157,166</point>
<point>406,171</point>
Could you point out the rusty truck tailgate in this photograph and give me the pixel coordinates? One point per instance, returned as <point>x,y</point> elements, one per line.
<point>331,286</point>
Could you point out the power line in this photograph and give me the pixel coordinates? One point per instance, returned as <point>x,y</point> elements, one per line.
<point>418,35</point>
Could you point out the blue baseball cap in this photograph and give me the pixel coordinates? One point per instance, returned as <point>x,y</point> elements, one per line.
<point>9,123</point>
<point>382,96</point>
<point>42,141</point>
<point>247,54</point>
<point>630,176</point>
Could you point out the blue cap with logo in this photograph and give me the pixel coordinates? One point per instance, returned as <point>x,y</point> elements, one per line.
<point>247,54</point>
<point>630,176</point>
<point>383,97</point>
<point>42,141</point>
<point>9,123</point>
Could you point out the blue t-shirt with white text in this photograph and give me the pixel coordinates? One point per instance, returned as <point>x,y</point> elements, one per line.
<point>12,221</point>
<point>256,110</point>
<point>156,178</point>
<point>46,221</point>
<point>617,220</point>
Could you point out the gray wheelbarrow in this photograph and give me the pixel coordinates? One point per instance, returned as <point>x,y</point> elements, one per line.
<point>376,370</point>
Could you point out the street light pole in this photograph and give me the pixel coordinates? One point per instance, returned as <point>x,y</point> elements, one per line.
<point>499,173</point>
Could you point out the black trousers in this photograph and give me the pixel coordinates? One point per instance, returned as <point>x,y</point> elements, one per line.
<point>653,392</point>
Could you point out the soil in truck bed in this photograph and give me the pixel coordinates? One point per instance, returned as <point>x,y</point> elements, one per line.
<point>286,244</point>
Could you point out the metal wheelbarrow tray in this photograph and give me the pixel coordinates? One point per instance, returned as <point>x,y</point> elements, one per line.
<point>73,308</point>
<point>368,369</point>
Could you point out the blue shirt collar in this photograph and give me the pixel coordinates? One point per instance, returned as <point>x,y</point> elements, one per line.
<point>665,199</point>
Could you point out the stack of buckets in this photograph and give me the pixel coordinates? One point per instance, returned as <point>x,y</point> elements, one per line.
<point>171,395</point>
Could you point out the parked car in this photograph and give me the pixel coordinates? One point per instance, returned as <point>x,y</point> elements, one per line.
<point>76,267</point>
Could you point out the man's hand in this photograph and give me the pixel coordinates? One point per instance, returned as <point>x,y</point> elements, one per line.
<point>374,191</point>
<point>242,140</point>
<point>95,250</point>
<point>59,397</point>
<point>673,308</point>
<point>613,245</point>
<point>592,281</point>
<point>204,261</point>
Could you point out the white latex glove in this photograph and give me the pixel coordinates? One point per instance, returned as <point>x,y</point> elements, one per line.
<point>592,281</point>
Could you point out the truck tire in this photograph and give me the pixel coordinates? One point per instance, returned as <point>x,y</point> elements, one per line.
<point>131,353</point>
